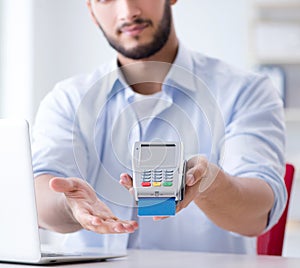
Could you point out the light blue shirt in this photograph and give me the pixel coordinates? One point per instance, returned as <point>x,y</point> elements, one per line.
<point>87,125</point>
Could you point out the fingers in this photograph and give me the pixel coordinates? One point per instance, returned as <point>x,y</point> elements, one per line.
<point>196,169</point>
<point>157,218</point>
<point>190,194</point>
<point>126,181</point>
<point>200,176</point>
<point>108,225</point>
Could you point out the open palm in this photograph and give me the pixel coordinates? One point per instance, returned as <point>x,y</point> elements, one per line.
<point>87,209</point>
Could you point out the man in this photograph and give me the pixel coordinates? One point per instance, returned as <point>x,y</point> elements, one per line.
<point>231,124</point>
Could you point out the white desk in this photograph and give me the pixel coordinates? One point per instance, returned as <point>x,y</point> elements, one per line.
<point>175,259</point>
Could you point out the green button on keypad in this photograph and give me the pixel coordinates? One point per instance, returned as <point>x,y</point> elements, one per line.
<point>167,183</point>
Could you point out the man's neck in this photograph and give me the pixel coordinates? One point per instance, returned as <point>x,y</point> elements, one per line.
<point>146,76</point>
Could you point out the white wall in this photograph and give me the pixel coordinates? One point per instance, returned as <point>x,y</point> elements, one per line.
<point>1,49</point>
<point>16,59</point>
<point>215,27</point>
<point>66,43</point>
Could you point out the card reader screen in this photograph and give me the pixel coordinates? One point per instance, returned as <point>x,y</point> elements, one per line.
<point>158,155</point>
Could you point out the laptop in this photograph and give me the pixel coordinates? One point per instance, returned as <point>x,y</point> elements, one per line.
<point>19,231</point>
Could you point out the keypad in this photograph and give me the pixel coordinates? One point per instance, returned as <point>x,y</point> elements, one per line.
<point>157,178</point>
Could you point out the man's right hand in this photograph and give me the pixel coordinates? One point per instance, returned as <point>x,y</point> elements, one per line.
<point>73,202</point>
<point>90,212</point>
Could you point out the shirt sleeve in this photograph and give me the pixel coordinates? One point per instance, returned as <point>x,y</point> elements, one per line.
<point>56,147</point>
<point>254,144</point>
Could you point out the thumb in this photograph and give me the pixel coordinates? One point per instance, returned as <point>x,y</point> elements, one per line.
<point>62,185</point>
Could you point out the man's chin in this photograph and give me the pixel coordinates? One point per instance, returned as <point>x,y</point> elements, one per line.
<point>136,49</point>
<point>136,52</point>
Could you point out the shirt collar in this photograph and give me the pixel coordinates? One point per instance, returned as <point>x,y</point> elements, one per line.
<point>181,74</point>
<point>117,81</point>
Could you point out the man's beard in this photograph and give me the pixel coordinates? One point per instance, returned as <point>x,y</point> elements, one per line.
<point>160,38</point>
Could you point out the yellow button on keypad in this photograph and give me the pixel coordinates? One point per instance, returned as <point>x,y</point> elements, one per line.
<point>156,184</point>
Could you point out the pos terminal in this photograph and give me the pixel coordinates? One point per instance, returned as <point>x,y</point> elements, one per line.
<point>158,177</point>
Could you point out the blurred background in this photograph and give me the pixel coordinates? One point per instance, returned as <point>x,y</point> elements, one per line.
<point>43,42</point>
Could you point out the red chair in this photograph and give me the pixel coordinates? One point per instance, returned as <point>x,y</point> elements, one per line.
<point>271,242</point>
